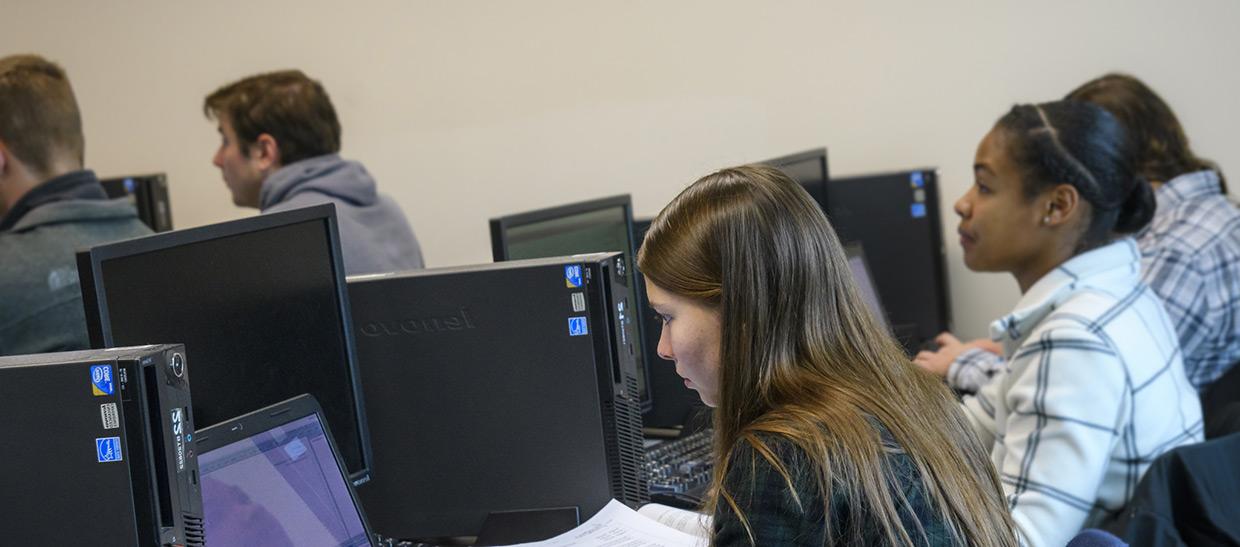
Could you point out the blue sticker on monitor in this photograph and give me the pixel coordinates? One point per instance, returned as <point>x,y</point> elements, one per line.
<point>108,449</point>
<point>577,326</point>
<point>572,276</point>
<point>916,180</point>
<point>918,210</point>
<point>101,380</point>
<point>129,185</point>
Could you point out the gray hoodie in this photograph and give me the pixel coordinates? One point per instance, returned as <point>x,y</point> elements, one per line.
<point>374,235</point>
<point>40,298</point>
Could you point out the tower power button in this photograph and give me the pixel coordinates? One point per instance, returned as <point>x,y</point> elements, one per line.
<point>177,365</point>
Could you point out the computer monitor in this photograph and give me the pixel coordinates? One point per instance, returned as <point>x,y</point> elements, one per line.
<point>809,168</point>
<point>599,225</point>
<point>895,217</point>
<point>149,193</point>
<point>261,305</point>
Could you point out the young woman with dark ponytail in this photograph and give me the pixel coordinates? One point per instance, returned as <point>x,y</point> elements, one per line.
<point>826,434</point>
<point>1094,387</point>
<point>1190,251</point>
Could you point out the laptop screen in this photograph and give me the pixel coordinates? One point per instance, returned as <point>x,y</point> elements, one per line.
<point>282,486</point>
<point>865,282</point>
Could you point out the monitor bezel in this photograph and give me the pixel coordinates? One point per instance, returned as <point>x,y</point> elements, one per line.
<point>90,273</point>
<point>798,157</point>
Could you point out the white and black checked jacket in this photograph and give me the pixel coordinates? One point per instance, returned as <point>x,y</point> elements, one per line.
<point>1190,256</point>
<point>1094,390</point>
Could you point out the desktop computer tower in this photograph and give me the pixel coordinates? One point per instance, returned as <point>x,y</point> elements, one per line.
<point>100,449</point>
<point>498,388</point>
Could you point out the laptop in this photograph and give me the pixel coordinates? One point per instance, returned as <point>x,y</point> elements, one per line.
<point>274,477</point>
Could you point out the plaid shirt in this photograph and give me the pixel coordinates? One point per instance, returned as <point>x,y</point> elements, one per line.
<point>1190,256</point>
<point>1093,391</point>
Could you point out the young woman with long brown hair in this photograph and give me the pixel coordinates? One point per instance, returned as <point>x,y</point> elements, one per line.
<point>826,434</point>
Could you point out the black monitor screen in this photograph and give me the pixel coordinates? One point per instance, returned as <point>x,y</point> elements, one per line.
<point>260,311</point>
<point>808,168</point>
<point>603,225</point>
<point>604,230</point>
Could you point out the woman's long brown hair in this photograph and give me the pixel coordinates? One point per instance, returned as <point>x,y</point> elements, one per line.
<point>1162,148</point>
<point>804,358</point>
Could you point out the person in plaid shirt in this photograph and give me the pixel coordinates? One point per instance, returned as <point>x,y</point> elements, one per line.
<point>1094,387</point>
<point>1190,252</point>
<point>825,433</point>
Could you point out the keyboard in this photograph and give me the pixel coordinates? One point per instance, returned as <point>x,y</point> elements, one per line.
<point>679,471</point>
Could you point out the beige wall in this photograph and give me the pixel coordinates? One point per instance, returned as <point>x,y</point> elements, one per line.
<point>469,109</point>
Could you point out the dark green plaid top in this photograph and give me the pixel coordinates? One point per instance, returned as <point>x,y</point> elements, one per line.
<point>763,495</point>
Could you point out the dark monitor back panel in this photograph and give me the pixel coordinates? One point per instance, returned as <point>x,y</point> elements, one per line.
<point>895,217</point>
<point>149,193</point>
<point>808,168</point>
<point>259,303</point>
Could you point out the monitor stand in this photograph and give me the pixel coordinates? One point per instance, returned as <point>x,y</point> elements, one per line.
<point>527,525</point>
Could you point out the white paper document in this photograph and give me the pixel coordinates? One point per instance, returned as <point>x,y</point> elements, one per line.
<point>618,526</point>
<point>689,522</point>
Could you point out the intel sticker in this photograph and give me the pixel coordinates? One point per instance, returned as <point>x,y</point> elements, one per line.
<point>916,180</point>
<point>111,418</point>
<point>101,380</point>
<point>572,276</point>
<point>108,449</point>
<point>918,210</point>
<point>577,326</point>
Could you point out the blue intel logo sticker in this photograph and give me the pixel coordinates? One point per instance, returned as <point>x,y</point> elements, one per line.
<point>572,276</point>
<point>577,326</point>
<point>108,449</point>
<point>101,380</point>
<point>918,210</point>
<point>916,180</point>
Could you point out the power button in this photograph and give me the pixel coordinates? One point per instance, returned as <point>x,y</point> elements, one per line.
<point>177,365</point>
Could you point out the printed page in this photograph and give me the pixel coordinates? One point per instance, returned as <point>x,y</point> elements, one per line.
<point>689,522</point>
<point>618,526</point>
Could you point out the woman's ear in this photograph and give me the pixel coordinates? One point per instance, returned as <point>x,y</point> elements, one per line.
<point>1063,204</point>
